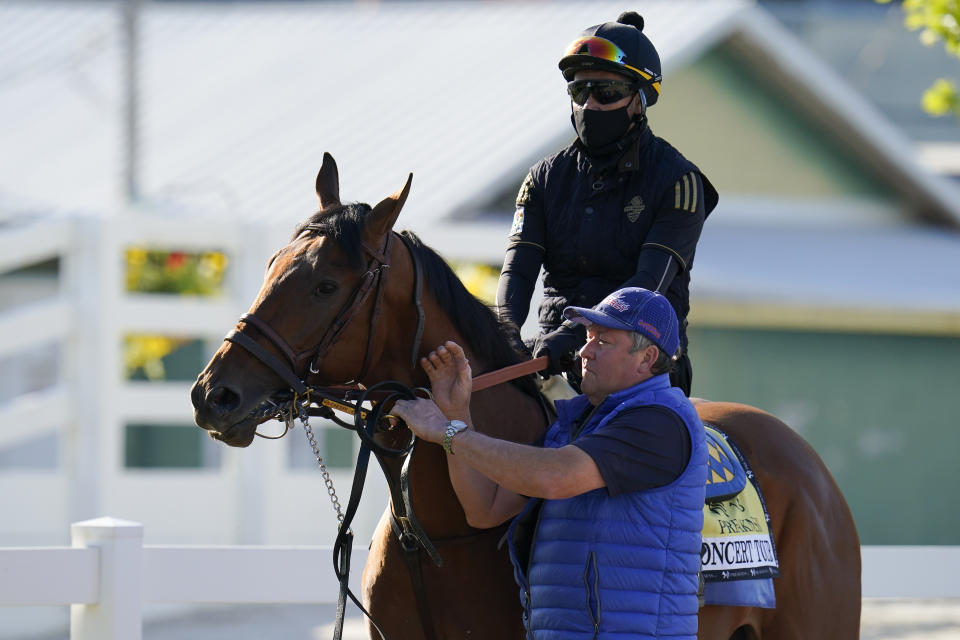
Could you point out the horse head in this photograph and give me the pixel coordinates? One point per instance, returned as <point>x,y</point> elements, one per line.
<point>315,317</point>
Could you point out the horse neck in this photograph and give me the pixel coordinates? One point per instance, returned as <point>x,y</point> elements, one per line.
<point>502,411</point>
<point>395,359</point>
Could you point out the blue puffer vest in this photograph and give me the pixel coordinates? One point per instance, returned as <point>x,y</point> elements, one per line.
<point>612,568</point>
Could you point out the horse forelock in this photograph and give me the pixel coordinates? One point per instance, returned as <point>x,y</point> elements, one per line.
<point>344,223</point>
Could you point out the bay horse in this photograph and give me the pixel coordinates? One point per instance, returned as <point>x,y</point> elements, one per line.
<point>349,300</point>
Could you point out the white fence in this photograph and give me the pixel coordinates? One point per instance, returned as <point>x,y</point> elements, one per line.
<point>109,574</point>
<point>253,496</point>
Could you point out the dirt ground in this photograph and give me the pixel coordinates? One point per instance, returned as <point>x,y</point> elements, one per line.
<point>910,620</point>
<point>881,620</point>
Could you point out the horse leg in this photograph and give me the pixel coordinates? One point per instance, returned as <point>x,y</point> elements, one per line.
<point>728,623</point>
<point>818,593</point>
<point>472,595</point>
<point>386,591</point>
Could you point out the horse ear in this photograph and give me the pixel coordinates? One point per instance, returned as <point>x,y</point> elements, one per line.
<point>380,221</point>
<point>328,183</point>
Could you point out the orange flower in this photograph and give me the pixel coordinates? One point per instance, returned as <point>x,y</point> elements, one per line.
<point>176,260</point>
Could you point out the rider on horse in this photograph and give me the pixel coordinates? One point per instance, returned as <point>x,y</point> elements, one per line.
<point>618,207</point>
<point>607,540</point>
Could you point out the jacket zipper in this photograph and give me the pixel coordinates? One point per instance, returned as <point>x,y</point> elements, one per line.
<point>533,544</point>
<point>591,579</point>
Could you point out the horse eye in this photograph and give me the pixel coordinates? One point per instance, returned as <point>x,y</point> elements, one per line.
<point>325,288</point>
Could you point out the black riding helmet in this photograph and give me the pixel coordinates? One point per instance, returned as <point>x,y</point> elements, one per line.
<point>620,47</point>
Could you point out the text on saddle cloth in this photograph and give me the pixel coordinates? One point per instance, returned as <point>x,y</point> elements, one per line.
<point>738,556</point>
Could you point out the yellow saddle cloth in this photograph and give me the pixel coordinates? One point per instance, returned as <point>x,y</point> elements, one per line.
<point>738,558</point>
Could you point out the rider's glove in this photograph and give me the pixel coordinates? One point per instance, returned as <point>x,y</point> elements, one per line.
<point>560,347</point>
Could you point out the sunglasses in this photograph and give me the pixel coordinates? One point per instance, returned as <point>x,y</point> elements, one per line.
<point>604,91</point>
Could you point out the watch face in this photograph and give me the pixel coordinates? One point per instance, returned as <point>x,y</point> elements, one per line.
<point>453,428</point>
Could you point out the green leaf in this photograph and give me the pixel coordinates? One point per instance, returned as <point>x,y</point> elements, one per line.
<point>941,99</point>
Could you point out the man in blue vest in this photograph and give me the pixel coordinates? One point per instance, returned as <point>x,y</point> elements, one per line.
<point>607,514</point>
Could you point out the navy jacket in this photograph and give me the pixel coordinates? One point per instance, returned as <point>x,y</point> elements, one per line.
<point>597,228</point>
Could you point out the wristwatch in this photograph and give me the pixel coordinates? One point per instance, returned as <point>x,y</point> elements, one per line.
<point>453,428</point>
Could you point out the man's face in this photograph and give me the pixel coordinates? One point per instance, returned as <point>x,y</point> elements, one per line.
<point>608,365</point>
<point>591,103</point>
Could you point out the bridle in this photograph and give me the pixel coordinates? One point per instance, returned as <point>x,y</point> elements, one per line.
<point>373,280</point>
<point>412,537</point>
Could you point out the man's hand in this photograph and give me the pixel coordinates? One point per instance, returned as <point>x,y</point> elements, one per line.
<point>559,347</point>
<point>423,417</point>
<point>451,385</point>
<point>450,379</point>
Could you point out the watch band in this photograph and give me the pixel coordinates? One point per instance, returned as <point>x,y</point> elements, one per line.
<point>453,428</point>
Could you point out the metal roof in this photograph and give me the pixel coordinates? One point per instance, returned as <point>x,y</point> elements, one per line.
<point>841,267</point>
<point>240,101</point>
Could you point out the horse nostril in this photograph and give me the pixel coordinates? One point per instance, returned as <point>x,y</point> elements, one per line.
<point>223,399</point>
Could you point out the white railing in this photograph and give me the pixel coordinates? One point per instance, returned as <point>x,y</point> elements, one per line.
<point>108,575</point>
<point>252,497</point>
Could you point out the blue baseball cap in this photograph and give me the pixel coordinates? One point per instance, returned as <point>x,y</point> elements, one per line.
<point>634,309</point>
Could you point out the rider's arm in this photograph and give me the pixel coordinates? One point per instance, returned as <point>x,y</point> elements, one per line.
<point>518,278</point>
<point>524,256</point>
<point>670,244</point>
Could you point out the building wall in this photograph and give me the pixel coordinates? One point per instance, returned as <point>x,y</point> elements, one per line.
<point>877,408</point>
<point>751,140</point>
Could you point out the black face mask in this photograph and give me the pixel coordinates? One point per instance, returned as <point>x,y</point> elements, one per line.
<point>599,129</point>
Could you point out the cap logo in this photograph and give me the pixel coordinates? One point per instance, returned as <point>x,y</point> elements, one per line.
<point>618,304</point>
<point>649,327</point>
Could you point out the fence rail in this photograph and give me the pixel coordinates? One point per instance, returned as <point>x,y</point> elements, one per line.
<point>109,574</point>
<point>74,420</point>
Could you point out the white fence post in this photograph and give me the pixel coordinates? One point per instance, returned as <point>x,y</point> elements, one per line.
<point>118,613</point>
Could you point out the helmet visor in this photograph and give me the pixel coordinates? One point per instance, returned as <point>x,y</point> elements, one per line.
<point>597,47</point>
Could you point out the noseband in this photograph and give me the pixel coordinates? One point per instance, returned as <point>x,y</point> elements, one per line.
<point>373,279</point>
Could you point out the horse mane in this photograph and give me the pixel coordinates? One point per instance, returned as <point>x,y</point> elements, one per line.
<point>473,319</point>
